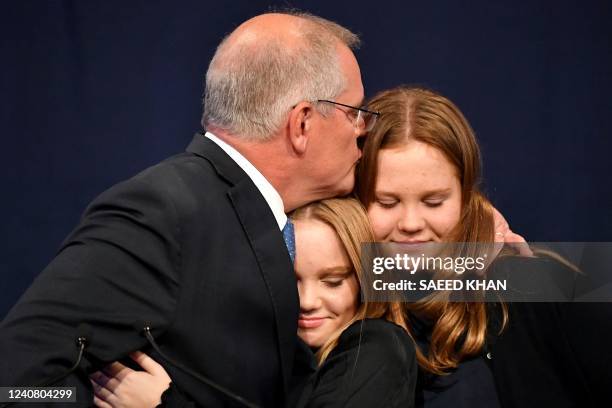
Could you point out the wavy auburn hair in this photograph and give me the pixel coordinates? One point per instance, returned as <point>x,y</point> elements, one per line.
<point>416,114</point>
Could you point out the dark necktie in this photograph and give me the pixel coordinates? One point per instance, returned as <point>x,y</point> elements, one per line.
<point>289,236</point>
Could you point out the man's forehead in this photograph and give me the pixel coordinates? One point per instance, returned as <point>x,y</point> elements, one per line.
<point>350,68</point>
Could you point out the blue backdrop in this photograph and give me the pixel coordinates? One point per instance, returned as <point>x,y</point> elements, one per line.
<point>94,91</point>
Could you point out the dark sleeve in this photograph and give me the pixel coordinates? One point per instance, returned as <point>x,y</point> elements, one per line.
<point>373,365</point>
<point>174,398</point>
<point>117,270</point>
<point>565,343</point>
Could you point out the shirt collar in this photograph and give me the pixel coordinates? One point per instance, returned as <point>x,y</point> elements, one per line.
<point>269,193</point>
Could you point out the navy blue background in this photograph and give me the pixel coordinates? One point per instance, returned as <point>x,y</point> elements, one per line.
<point>91,92</point>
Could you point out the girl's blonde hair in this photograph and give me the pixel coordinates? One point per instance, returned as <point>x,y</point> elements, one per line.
<point>349,220</point>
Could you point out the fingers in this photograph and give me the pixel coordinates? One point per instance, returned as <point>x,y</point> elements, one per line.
<point>515,241</point>
<point>102,379</point>
<point>151,366</point>
<point>518,243</point>
<point>101,403</point>
<point>117,370</point>
<point>501,225</point>
<point>102,394</point>
<point>502,228</point>
<point>147,363</point>
<point>511,237</point>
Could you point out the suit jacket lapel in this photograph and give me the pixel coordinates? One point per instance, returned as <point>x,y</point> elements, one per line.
<point>223,164</point>
<point>267,243</point>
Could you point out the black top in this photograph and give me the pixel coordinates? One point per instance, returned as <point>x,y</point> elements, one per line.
<point>373,365</point>
<point>471,384</point>
<point>549,354</point>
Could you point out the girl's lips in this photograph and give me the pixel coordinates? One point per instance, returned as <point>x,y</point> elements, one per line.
<point>310,322</point>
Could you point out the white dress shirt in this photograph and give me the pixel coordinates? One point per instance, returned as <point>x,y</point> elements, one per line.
<point>269,193</point>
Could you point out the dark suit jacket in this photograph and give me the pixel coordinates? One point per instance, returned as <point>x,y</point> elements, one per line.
<point>188,246</point>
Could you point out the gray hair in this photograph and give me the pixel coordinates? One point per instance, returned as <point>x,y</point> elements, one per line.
<point>250,89</point>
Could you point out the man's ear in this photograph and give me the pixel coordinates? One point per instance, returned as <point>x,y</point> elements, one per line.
<point>300,126</point>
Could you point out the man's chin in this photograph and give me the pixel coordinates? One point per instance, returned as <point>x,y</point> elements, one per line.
<point>340,189</point>
<point>346,185</point>
<point>345,188</point>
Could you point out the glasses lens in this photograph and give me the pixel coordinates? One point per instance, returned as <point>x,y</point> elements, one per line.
<point>359,120</point>
<point>369,121</point>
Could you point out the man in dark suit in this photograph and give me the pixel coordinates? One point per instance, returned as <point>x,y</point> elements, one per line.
<point>193,248</point>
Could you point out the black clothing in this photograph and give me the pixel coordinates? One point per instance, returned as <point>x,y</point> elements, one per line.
<point>552,353</point>
<point>549,354</point>
<point>373,365</point>
<point>471,384</point>
<point>188,246</point>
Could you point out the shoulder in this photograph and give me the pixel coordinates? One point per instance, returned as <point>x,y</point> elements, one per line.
<point>545,278</point>
<point>375,334</point>
<point>373,365</point>
<point>183,183</point>
<point>544,261</point>
<point>376,343</point>
<point>180,170</point>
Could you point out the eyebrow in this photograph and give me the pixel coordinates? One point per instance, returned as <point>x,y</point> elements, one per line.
<point>440,191</point>
<point>336,271</point>
<point>427,193</point>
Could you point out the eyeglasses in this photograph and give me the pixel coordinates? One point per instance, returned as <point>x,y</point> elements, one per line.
<point>361,118</point>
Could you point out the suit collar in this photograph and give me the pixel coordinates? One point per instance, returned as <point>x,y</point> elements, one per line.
<point>274,264</point>
<point>269,193</point>
<point>267,243</point>
<point>222,163</point>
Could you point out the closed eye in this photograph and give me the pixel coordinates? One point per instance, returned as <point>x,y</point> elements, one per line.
<point>333,283</point>
<point>387,203</point>
<point>433,203</point>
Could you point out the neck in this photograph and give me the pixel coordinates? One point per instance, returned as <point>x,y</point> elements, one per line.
<point>275,161</point>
